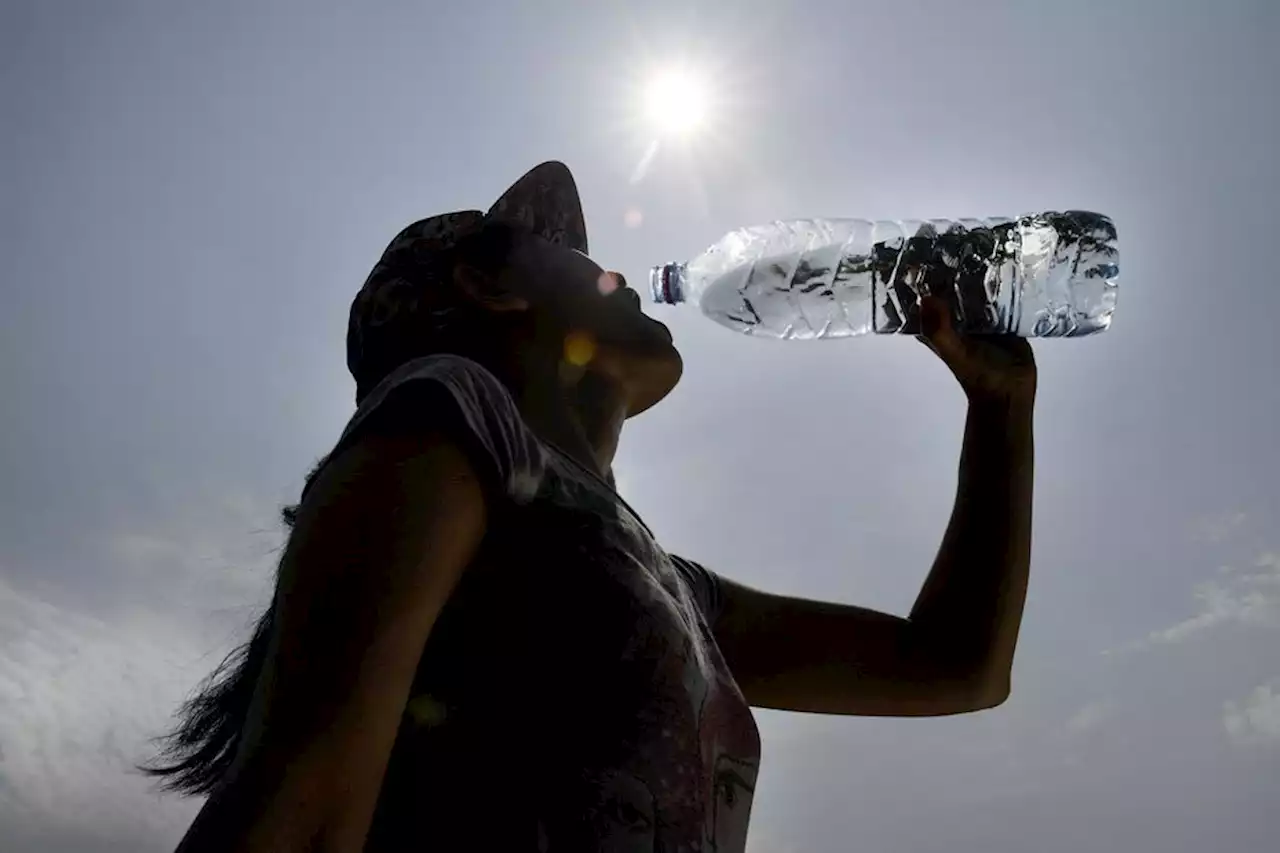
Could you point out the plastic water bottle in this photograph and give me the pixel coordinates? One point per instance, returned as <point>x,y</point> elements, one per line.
<point>1044,275</point>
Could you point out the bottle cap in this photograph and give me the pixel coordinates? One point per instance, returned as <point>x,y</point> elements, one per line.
<point>665,284</point>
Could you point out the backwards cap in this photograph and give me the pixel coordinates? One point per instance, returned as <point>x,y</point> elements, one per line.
<point>396,295</point>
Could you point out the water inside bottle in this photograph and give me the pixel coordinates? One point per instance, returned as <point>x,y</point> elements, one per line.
<point>1050,275</point>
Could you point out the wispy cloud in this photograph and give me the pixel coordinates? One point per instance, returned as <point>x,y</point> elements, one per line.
<point>1218,527</point>
<point>83,693</point>
<point>1269,563</point>
<point>1243,598</point>
<point>1255,720</point>
<point>79,697</point>
<point>1090,717</point>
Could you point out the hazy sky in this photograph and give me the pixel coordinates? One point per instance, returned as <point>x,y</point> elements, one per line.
<point>192,193</point>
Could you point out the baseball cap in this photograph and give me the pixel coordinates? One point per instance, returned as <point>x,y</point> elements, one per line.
<point>395,296</point>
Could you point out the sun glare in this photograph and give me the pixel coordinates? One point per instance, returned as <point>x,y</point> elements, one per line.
<point>680,113</point>
<point>677,102</point>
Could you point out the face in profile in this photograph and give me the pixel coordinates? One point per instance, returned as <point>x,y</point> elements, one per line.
<point>599,318</point>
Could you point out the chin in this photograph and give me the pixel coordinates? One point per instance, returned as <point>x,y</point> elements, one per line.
<point>652,373</point>
<point>644,359</point>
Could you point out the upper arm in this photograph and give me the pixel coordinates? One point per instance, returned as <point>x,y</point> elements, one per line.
<point>379,544</point>
<point>800,655</point>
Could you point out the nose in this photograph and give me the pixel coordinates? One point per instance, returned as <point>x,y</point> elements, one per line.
<point>610,282</point>
<point>614,285</point>
<point>622,290</point>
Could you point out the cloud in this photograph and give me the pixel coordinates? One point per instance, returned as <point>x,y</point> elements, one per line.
<point>85,687</point>
<point>1088,718</point>
<point>1217,527</point>
<point>1255,720</point>
<point>217,556</point>
<point>79,696</point>
<point>1248,599</point>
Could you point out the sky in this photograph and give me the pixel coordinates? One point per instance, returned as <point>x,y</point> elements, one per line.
<point>191,194</point>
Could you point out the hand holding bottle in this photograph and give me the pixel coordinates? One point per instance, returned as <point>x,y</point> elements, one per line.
<point>990,368</point>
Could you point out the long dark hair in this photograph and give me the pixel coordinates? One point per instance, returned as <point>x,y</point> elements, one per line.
<point>195,756</point>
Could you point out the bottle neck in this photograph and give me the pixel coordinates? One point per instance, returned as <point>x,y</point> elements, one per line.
<point>667,283</point>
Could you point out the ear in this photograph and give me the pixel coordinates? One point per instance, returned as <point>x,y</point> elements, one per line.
<point>486,290</point>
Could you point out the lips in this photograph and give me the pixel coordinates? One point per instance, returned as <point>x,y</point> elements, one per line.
<point>631,296</point>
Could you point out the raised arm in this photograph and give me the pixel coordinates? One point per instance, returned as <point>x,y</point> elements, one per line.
<point>954,652</point>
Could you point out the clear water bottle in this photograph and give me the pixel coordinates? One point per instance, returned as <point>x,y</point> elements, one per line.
<point>1044,275</point>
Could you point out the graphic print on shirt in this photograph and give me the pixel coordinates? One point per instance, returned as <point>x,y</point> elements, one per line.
<point>693,764</point>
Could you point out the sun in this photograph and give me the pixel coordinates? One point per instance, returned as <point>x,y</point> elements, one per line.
<point>677,102</point>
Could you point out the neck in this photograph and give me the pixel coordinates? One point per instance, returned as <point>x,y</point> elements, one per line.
<point>564,407</point>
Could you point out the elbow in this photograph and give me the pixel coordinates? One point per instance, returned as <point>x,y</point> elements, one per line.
<point>971,682</point>
<point>986,694</point>
<point>970,689</point>
<point>990,699</point>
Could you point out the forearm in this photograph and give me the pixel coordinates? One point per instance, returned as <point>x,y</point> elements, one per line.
<point>971,604</point>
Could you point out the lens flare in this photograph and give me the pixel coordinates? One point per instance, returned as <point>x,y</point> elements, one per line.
<point>579,349</point>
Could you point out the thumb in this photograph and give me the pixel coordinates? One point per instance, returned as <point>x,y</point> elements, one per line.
<point>936,328</point>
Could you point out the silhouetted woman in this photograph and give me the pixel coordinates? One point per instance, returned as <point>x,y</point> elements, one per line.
<point>475,644</point>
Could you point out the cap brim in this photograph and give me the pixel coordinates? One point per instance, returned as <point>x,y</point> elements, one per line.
<point>545,202</point>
